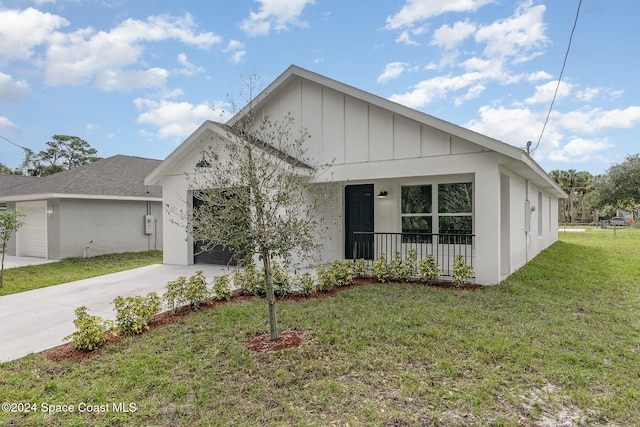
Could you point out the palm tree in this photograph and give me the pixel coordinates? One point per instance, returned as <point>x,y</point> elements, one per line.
<point>561,178</point>
<point>584,184</point>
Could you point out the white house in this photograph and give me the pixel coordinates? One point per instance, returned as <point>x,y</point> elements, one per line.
<point>403,179</point>
<point>98,208</point>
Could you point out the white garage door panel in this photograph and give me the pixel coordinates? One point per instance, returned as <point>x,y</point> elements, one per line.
<point>32,237</point>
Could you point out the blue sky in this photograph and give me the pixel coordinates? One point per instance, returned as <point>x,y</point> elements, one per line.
<point>136,77</point>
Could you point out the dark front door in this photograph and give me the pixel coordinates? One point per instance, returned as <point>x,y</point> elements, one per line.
<point>358,214</point>
<point>216,255</point>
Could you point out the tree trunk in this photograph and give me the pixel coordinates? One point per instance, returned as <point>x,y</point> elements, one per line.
<point>271,298</point>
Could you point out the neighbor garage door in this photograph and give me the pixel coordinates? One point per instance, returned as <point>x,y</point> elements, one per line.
<point>32,236</point>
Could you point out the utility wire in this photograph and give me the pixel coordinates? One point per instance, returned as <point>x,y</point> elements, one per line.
<point>11,142</point>
<point>564,63</point>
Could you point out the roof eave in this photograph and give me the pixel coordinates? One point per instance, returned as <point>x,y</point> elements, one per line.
<point>47,196</point>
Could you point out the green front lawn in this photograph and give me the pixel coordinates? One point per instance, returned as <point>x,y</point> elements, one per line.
<point>39,276</point>
<point>557,344</point>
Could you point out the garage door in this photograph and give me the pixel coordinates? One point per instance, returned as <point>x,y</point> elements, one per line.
<point>32,236</point>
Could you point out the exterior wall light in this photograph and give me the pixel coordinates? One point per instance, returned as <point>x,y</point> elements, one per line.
<point>382,194</point>
<point>203,163</point>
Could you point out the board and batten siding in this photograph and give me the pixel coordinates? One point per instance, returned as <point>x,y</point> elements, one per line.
<point>346,130</point>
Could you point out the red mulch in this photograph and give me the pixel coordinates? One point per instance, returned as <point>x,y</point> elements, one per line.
<point>286,339</point>
<point>439,284</point>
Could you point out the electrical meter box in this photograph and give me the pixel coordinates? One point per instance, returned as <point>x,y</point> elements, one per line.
<point>148,224</point>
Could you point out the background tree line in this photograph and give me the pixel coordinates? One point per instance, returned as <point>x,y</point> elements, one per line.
<point>594,197</point>
<point>64,152</point>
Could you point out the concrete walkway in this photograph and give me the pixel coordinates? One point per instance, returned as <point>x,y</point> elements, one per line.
<point>37,320</point>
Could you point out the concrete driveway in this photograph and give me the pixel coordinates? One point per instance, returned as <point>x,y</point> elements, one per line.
<point>11,261</point>
<point>37,320</point>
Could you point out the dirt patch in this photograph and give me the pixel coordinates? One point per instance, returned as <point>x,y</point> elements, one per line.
<point>286,339</point>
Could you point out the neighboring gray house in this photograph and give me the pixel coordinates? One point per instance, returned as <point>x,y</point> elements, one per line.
<point>99,208</point>
<point>403,179</point>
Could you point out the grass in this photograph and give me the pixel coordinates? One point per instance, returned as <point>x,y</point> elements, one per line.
<point>22,279</point>
<point>556,344</point>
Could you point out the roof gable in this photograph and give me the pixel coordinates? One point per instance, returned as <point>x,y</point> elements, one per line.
<point>514,158</point>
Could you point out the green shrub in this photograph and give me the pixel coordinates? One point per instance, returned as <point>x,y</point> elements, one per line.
<point>182,290</point>
<point>281,282</point>
<point>410,263</point>
<point>461,271</point>
<point>325,279</point>
<point>248,280</point>
<point>174,291</point>
<point>133,314</point>
<point>381,269</point>
<point>92,331</point>
<point>222,288</point>
<point>306,284</point>
<point>359,268</point>
<point>429,269</point>
<point>197,291</point>
<point>396,268</point>
<point>341,273</point>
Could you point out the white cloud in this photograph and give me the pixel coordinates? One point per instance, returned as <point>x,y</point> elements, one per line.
<point>173,119</point>
<point>90,127</point>
<point>580,150</point>
<point>87,55</point>
<point>449,37</point>
<point>538,75</point>
<point>236,50</point>
<point>124,80</point>
<point>421,10</point>
<point>588,94</point>
<point>544,93</point>
<point>6,124</point>
<point>11,90</point>
<point>275,14</point>
<point>22,30</point>
<point>392,70</point>
<point>515,126</point>
<point>596,119</point>
<point>188,69</point>
<point>506,42</point>
<point>405,38</point>
<point>516,35</point>
<point>472,93</point>
<point>436,88</point>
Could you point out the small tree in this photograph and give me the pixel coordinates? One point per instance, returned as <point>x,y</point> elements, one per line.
<point>9,225</point>
<point>257,196</point>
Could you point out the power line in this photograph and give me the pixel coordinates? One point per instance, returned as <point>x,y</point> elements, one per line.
<point>11,142</point>
<point>564,63</point>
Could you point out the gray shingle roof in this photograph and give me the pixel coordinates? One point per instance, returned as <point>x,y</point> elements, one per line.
<point>10,181</point>
<point>114,176</point>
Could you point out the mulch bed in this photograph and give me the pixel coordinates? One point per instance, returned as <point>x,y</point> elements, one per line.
<point>261,343</point>
<point>286,339</point>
